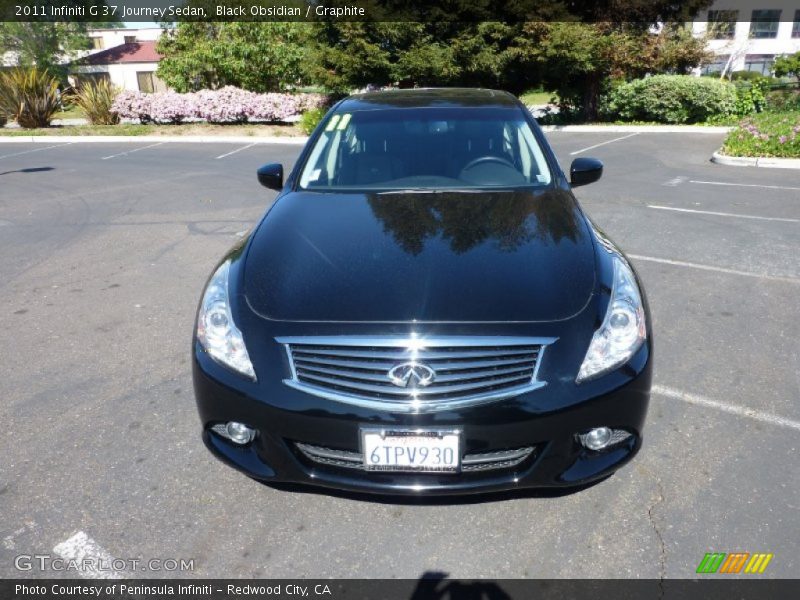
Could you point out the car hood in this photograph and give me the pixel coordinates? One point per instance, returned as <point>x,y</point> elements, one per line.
<point>442,256</point>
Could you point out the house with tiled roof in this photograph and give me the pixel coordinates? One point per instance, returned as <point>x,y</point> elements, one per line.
<point>130,66</point>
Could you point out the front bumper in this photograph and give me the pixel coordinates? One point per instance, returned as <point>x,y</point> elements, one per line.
<point>557,459</point>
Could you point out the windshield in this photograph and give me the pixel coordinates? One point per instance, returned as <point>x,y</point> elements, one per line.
<point>425,149</point>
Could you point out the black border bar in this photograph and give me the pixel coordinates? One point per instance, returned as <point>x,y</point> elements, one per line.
<point>429,11</point>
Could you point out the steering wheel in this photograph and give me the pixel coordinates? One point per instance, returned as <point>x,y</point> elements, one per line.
<point>488,159</point>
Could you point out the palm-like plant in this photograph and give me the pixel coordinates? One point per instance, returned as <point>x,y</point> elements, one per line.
<point>30,96</point>
<point>96,99</point>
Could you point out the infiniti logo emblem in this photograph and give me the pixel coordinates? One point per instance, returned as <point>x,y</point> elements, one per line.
<point>411,374</point>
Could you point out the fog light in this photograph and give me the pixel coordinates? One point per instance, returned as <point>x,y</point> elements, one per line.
<point>238,433</point>
<point>596,439</point>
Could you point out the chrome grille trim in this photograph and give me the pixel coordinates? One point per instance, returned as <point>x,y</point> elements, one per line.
<point>469,370</point>
<point>488,461</point>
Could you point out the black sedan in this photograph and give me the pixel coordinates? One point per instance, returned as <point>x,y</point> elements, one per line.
<point>425,309</point>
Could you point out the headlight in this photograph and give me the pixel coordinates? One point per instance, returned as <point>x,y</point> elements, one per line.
<point>216,331</point>
<point>623,330</point>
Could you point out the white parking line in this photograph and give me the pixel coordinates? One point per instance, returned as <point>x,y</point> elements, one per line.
<point>722,214</point>
<point>624,137</point>
<point>680,263</point>
<point>741,411</point>
<point>88,555</point>
<point>132,151</point>
<point>9,542</point>
<point>237,150</point>
<point>752,185</point>
<point>36,150</point>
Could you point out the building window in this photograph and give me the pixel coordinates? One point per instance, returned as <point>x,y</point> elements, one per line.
<point>82,79</point>
<point>764,23</point>
<point>796,25</point>
<point>760,63</point>
<point>145,79</point>
<point>130,39</point>
<point>717,66</point>
<point>97,43</point>
<point>722,24</point>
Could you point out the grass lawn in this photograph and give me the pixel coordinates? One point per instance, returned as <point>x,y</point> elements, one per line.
<point>765,134</point>
<point>70,112</point>
<point>254,130</point>
<point>536,97</point>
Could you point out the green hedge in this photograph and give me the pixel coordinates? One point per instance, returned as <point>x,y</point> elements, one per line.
<point>765,134</point>
<point>673,99</point>
<point>311,118</point>
<point>783,100</point>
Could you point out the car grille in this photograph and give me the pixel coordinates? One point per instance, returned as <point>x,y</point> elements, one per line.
<point>465,371</point>
<point>470,463</point>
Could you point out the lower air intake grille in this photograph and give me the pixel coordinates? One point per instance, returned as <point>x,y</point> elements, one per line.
<point>415,374</point>
<point>470,463</point>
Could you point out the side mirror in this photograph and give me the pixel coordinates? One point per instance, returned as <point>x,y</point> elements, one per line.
<point>585,170</point>
<point>271,176</point>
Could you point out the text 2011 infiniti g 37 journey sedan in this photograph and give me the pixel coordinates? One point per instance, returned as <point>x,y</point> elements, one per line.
<point>425,309</point>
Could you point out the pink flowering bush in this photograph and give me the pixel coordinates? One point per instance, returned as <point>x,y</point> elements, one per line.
<point>171,107</point>
<point>225,105</point>
<point>766,134</point>
<point>133,105</point>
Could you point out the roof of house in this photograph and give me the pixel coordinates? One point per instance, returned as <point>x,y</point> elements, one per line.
<point>134,52</point>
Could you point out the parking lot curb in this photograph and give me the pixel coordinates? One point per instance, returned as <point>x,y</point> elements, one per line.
<point>187,139</point>
<point>636,128</point>
<point>762,161</point>
<point>300,140</point>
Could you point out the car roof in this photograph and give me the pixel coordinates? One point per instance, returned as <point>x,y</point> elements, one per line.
<point>429,97</point>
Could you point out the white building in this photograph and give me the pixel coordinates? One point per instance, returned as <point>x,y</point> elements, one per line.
<point>103,39</point>
<point>125,57</point>
<point>129,66</point>
<point>749,35</point>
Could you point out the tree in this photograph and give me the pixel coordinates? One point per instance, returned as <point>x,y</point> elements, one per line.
<point>46,45</point>
<point>260,57</point>
<point>788,66</point>
<point>430,53</point>
<point>49,44</point>
<point>573,47</point>
<point>578,59</point>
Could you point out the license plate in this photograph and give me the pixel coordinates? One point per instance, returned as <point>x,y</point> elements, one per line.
<point>411,450</point>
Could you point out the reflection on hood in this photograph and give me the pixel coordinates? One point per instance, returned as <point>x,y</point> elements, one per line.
<point>506,218</point>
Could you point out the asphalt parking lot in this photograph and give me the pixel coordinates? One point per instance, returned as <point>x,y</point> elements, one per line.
<point>105,250</point>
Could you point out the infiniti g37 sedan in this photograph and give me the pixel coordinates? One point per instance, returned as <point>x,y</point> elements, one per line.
<point>424,309</point>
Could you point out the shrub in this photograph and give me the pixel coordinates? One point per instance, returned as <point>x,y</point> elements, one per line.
<point>30,96</point>
<point>673,99</point>
<point>3,120</point>
<point>225,105</point>
<point>751,96</point>
<point>788,66</point>
<point>311,118</point>
<point>96,100</point>
<point>783,100</point>
<point>745,75</point>
<point>133,105</point>
<point>171,107</point>
<point>765,134</point>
